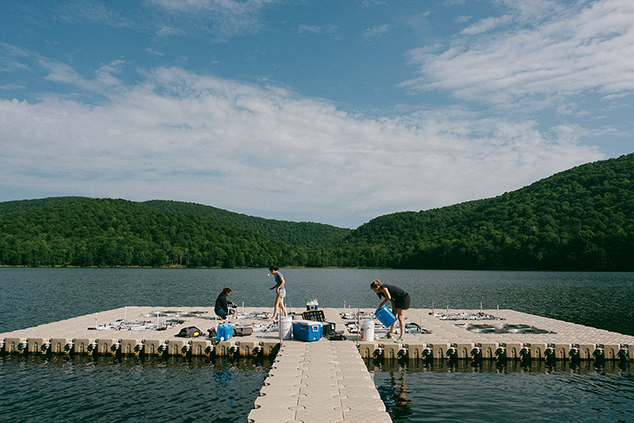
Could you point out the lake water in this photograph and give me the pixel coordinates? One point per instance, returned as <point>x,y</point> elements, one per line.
<point>131,389</point>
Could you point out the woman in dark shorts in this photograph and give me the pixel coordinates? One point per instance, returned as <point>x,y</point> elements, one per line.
<point>400,304</point>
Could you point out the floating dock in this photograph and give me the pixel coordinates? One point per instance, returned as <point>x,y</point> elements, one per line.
<point>459,334</point>
<point>321,381</point>
<point>325,380</point>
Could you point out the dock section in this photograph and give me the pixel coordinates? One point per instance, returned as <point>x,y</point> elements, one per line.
<point>143,330</point>
<point>495,334</point>
<point>321,381</point>
<point>461,334</point>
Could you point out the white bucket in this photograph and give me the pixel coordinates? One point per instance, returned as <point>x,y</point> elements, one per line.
<point>286,325</point>
<point>367,329</point>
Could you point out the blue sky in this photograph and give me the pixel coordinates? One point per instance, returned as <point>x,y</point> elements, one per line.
<point>330,111</point>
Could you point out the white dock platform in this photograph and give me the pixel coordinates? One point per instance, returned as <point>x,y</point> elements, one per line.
<point>86,335</point>
<point>322,381</point>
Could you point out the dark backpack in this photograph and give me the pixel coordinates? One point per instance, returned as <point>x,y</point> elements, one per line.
<point>190,332</point>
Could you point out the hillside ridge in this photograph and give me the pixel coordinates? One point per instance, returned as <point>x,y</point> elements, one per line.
<point>578,219</point>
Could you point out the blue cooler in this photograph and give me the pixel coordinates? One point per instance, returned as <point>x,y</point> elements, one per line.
<point>224,332</point>
<point>385,316</point>
<point>307,330</point>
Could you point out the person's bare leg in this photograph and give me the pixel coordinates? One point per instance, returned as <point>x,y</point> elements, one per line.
<point>400,314</point>
<point>277,305</point>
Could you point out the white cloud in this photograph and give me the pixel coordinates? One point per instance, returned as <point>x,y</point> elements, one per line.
<point>90,12</point>
<point>178,135</point>
<point>487,24</point>
<point>331,30</point>
<point>228,7</point>
<point>574,51</point>
<point>167,31</point>
<point>376,31</point>
<point>463,19</point>
<point>230,17</point>
<point>13,87</point>
<point>535,11</point>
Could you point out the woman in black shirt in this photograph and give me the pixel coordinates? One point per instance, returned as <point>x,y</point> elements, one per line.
<point>400,304</point>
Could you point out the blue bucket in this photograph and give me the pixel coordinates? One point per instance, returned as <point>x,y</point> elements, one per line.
<point>385,316</point>
<point>224,332</point>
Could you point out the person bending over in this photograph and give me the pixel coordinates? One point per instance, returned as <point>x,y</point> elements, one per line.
<point>400,304</point>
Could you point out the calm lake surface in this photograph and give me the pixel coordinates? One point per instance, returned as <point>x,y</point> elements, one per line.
<point>132,389</point>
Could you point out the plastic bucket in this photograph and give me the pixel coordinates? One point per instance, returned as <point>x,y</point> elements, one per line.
<point>286,325</point>
<point>385,316</point>
<point>367,329</point>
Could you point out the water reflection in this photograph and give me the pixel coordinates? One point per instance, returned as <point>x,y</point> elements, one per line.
<point>488,390</point>
<point>584,367</point>
<point>394,394</point>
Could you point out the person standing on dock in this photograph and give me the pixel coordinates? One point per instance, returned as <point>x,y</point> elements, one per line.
<point>221,308</point>
<point>280,290</point>
<point>400,304</point>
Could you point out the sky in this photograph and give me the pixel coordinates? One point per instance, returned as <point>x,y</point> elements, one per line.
<point>329,111</point>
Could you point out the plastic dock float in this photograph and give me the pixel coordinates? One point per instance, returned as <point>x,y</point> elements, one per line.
<point>450,334</point>
<point>139,331</point>
<point>320,381</point>
<point>498,334</point>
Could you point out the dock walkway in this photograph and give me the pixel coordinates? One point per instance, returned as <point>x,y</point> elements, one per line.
<point>322,381</point>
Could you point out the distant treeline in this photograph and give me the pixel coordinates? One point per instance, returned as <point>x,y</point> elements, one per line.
<point>580,219</point>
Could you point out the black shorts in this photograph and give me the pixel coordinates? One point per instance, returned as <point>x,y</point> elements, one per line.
<point>401,303</point>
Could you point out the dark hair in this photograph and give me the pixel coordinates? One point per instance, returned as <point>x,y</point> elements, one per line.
<point>272,268</point>
<point>226,291</point>
<point>377,284</point>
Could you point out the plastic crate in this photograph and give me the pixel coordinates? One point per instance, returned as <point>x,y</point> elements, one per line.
<point>314,315</point>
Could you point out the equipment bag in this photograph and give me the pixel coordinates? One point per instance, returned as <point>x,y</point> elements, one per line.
<point>242,330</point>
<point>189,332</point>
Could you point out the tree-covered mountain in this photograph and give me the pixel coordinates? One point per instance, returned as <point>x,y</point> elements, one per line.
<point>299,234</point>
<point>21,205</point>
<point>580,219</point>
<point>104,232</point>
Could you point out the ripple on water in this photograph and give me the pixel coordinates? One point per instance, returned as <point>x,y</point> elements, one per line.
<point>129,389</point>
<point>491,394</point>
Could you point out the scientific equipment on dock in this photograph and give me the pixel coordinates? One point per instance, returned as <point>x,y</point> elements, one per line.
<point>312,304</point>
<point>224,332</point>
<point>314,315</point>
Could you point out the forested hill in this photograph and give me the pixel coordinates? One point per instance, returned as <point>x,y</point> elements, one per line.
<point>580,219</point>
<point>103,232</point>
<point>300,234</point>
<point>21,205</point>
